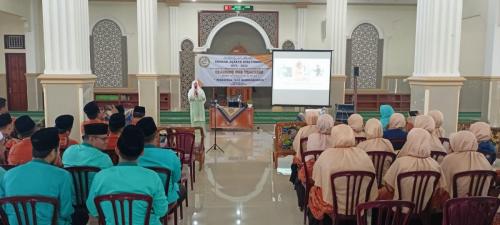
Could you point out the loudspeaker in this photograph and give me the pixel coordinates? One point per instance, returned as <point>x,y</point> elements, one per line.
<point>355,71</point>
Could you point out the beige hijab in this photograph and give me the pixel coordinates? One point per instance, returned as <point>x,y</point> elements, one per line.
<point>464,158</point>
<point>438,118</point>
<point>342,157</point>
<point>374,140</point>
<point>321,139</point>
<point>416,157</point>
<point>311,119</point>
<point>397,121</point>
<point>355,121</point>
<point>427,123</point>
<point>482,131</point>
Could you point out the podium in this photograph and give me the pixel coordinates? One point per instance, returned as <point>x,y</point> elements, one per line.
<point>231,118</point>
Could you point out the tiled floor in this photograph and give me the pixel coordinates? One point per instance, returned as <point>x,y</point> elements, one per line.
<point>240,185</point>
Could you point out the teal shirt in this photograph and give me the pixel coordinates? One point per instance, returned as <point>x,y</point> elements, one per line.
<point>37,177</point>
<point>2,173</point>
<point>129,178</point>
<point>85,155</point>
<point>165,158</point>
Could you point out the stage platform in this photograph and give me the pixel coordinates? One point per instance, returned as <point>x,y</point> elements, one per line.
<point>260,116</point>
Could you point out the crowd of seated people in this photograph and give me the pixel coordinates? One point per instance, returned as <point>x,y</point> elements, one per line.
<point>467,150</point>
<point>38,162</point>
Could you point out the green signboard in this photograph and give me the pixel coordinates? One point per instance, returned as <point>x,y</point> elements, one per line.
<point>238,8</point>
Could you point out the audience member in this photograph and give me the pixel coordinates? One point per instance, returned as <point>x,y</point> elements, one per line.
<point>138,114</point>
<point>355,121</point>
<point>3,105</point>
<point>427,123</point>
<point>438,118</point>
<point>116,124</point>
<point>386,112</point>
<point>22,151</point>
<point>374,138</point>
<point>93,113</point>
<point>64,124</point>
<point>482,131</point>
<point>395,130</point>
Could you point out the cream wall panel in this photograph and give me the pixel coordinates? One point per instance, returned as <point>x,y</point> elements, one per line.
<point>9,24</point>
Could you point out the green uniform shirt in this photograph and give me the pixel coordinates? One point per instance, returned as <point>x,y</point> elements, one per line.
<point>85,155</point>
<point>165,158</point>
<point>129,178</point>
<point>37,177</point>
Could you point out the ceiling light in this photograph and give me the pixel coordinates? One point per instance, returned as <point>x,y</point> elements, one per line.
<point>239,0</point>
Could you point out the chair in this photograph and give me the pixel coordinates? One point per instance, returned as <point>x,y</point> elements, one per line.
<point>388,212</point>
<point>470,211</point>
<point>379,158</point>
<point>168,174</point>
<point>7,167</point>
<point>397,143</point>
<point>309,183</point>
<point>183,180</point>
<point>21,206</point>
<point>477,181</point>
<point>438,155</point>
<point>81,185</point>
<point>184,141</point>
<point>420,181</point>
<point>303,144</point>
<point>360,139</point>
<point>199,149</point>
<point>118,205</point>
<point>355,181</point>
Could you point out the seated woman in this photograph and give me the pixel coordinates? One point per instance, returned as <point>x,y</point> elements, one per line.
<point>464,157</point>
<point>395,130</point>
<point>482,131</point>
<point>427,123</point>
<point>438,118</point>
<point>415,156</point>
<point>374,140</point>
<point>355,121</point>
<point>342,157</point>
<point>386,112</point>
<point>316,141</point>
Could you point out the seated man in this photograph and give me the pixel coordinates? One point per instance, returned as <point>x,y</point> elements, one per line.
<point>116,125</point>
<point>64,124</point>
<point>93,113</point>
<point>3,105</point>
<point>7,129</point>
<point>22,152</point>
<point>128,177</point>
<point>38,177</point>
<point>157,157</point>
<point>138,114</point>
<point>89,152</point>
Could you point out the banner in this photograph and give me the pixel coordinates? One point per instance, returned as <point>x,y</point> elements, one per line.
<point>234,70</point>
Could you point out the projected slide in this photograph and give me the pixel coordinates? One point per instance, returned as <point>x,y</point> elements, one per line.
<point>301,78</point>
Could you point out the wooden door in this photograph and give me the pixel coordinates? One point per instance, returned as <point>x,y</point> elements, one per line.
<point>15,65</point>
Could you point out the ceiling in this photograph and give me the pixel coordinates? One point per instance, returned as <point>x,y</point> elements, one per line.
<point>383,2</point>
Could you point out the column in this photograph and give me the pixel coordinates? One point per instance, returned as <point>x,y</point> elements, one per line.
<point>67,80</point>
<point>34,56</point>
<point>336,35</point>
<point>436,81</point>
<point>491,104</point>
<point>174,56</point>
<point>148,79</point>
<point>301,25</point>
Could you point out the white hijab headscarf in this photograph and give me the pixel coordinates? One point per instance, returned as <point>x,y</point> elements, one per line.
<point>427,123</point>
<point>321,139</point>
<point>343,156</point>
<point>200,91</point>
<point>355,121</point>
<point>464,157</point>
<point>311,120</point>
<point>438,118</point>
<point>482,131</point>
<point>415,156</point>
<point>374,140</point>
<point>397,121</point>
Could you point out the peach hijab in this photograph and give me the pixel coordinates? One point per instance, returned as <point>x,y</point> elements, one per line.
<point>426,122</point>
<point>355,121</point>
<point>464,157</point>
<point>482,131</point>
<point>311,120</point>
<point>438,118</point>
<point>321,139</point>
<point>415,156</point>
<point>343,156</point>
<point>374,140</point>
<point>397,121</point>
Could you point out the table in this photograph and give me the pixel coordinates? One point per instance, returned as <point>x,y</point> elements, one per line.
<point>234,118</point>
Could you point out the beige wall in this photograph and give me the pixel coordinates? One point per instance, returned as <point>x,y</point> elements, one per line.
<point>9,24</point>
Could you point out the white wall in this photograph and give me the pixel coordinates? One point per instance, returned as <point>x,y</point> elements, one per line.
<point>9,24</point>
<point>16,7</point>
<point>472,45</point>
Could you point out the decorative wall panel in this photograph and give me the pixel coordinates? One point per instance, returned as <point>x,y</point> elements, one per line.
<point>186,70</point>
<point>108,55</point>
<point>288,45</point>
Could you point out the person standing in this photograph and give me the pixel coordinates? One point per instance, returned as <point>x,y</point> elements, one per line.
<point>197,100</point>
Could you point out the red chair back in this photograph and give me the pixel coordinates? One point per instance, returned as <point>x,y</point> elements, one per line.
<point>303,144</point>
<point>388,212</point>
<point>184,141</point>
<point>397,143</point>
<point>477,182</point>
<point>360,139</point>
<point>438,155</point>
<point>118,203</point>
<point>470,211</point>
<point>24,208</point>
<point>354,187</point>
<point>81,183</point>
<point>164,173</point>
<point>379,158</point>
<point>421,181</point>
